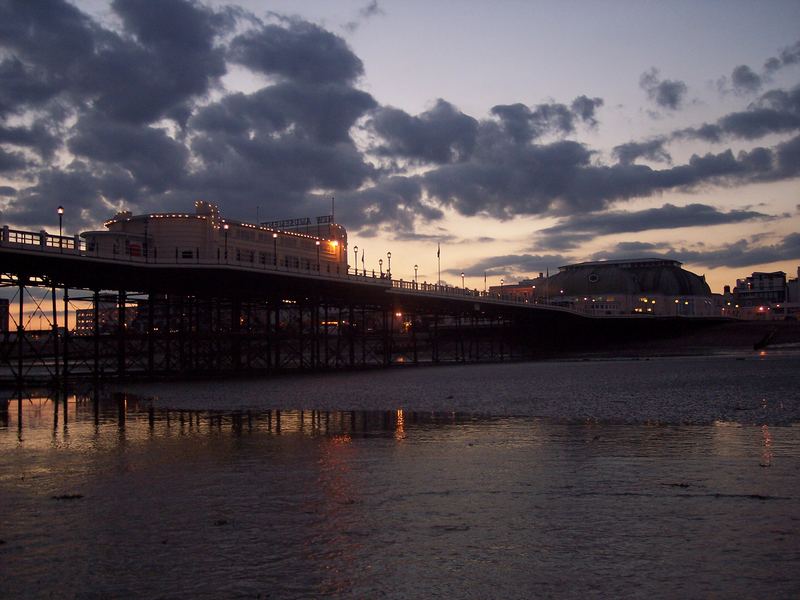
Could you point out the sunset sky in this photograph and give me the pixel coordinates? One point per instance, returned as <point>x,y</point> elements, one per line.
<point>521,136</point>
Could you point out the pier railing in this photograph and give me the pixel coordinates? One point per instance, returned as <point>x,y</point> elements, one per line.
<point>49,243</point>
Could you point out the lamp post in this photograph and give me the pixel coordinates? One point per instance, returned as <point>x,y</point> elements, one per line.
<point>389,265</point>
<point>462,280</point>
<point>225,229</point>
<point>502,281</point>
<point>60,211</point>
<point>317,243</point>
<point>380,266</point>
<point>274,249</point>
<point>355,265</point>
<point>415,274</point>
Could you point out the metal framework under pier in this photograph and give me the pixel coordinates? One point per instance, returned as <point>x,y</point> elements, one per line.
<point>128,333</point>
<point>73,316</point>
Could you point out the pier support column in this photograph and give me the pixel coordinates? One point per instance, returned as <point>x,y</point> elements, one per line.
<point>21,337</point>
<point>277,333</point>
<point>55,336</point>
<point>65,370</point>
<point>352,336</point>
<point>181,334</point>
<point>325,336</point>
<point>414,321</point>
<point>435,341</point>
<point>96,334</point>
<point>151,341</point>
<point>236,329</point>
<point>121,326</point>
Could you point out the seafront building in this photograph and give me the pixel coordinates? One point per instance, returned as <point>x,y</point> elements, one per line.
<point>207,237</point>
<point>644,286</point>
<point>763,296</point>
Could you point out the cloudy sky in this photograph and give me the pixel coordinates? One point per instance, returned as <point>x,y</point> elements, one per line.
<point>521,136</point>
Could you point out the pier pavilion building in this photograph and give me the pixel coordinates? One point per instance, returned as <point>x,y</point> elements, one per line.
<point>646,286</point>
<point>318,245</point>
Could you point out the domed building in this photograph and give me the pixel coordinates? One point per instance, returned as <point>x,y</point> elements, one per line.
<point>649,286</point>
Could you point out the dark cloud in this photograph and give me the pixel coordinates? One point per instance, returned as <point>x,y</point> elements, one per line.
<point>652,150</point>
<point>745,80</point>
<point>78,189</point>
<point>152,158</point>
<point>275,146</point>
<point>524,124</point>
<point>365,13</point>
<point>100,90</point>
<point>503,179</point>
<point>665,93</point>
<point>276,174</point>
<point>776,111</point>
<point>440,135</point>
<point>787,57</point>
<point>411,236</point>
<point>739,254</point>
<point>38,137</point>
<point>325,112</point>
<point>585,108</point>
<point>395,200</point>
<point>371,10</point>
<point>572,231</point>
<point>103,94</point>
<point>165,57</point>
<point>7,191</point>
<point>636,248</point>
<point>11,161</point>
<point>299,51</point>
<point>517,265</point>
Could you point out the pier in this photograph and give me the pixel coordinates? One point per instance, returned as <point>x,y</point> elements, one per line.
<point>147,316</point>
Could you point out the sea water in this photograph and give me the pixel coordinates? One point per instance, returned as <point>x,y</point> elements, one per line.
<point>669,477</point>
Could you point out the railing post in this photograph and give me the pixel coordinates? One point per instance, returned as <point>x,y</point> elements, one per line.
<point>4,237</point>
<point>77,242</point>
<point>43,239</point>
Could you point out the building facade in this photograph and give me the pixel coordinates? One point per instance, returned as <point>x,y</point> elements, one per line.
<point>645,286</point>
<point>206,237</point>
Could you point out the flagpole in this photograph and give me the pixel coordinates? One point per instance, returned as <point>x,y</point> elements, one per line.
<point>439,260</point>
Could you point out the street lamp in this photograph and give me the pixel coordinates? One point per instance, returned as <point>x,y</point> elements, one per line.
<point>274,249</point>
<point>380,266</point>
<point>502,281</point>
<point>225,229</point>
<point>317,242</point>
<point>389,265</point>
<point>462,281</point>
<point>415,274</point>
<point>60,211</point>
<point>355,266</point>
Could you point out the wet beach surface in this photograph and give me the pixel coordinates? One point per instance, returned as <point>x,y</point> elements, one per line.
<point>667,477</point>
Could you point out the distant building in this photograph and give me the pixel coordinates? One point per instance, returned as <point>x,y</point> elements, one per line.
<point>761,296</point>
<point>793,289</point>
<point>107,321</point>
<point>645,286</point>
<point>522,291</point>
<point>760,289</point>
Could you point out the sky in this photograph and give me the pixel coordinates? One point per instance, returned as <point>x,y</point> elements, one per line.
<point>518,136</point>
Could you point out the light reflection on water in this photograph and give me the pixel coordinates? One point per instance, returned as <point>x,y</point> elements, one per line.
<point>117,497</point>
<point>520,480</point>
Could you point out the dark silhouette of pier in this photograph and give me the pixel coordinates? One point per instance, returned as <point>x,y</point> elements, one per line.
<point>172,317</point>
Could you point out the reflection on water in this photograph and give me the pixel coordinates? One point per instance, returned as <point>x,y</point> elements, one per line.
<point>62,421</point>
<point>141,501</point>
